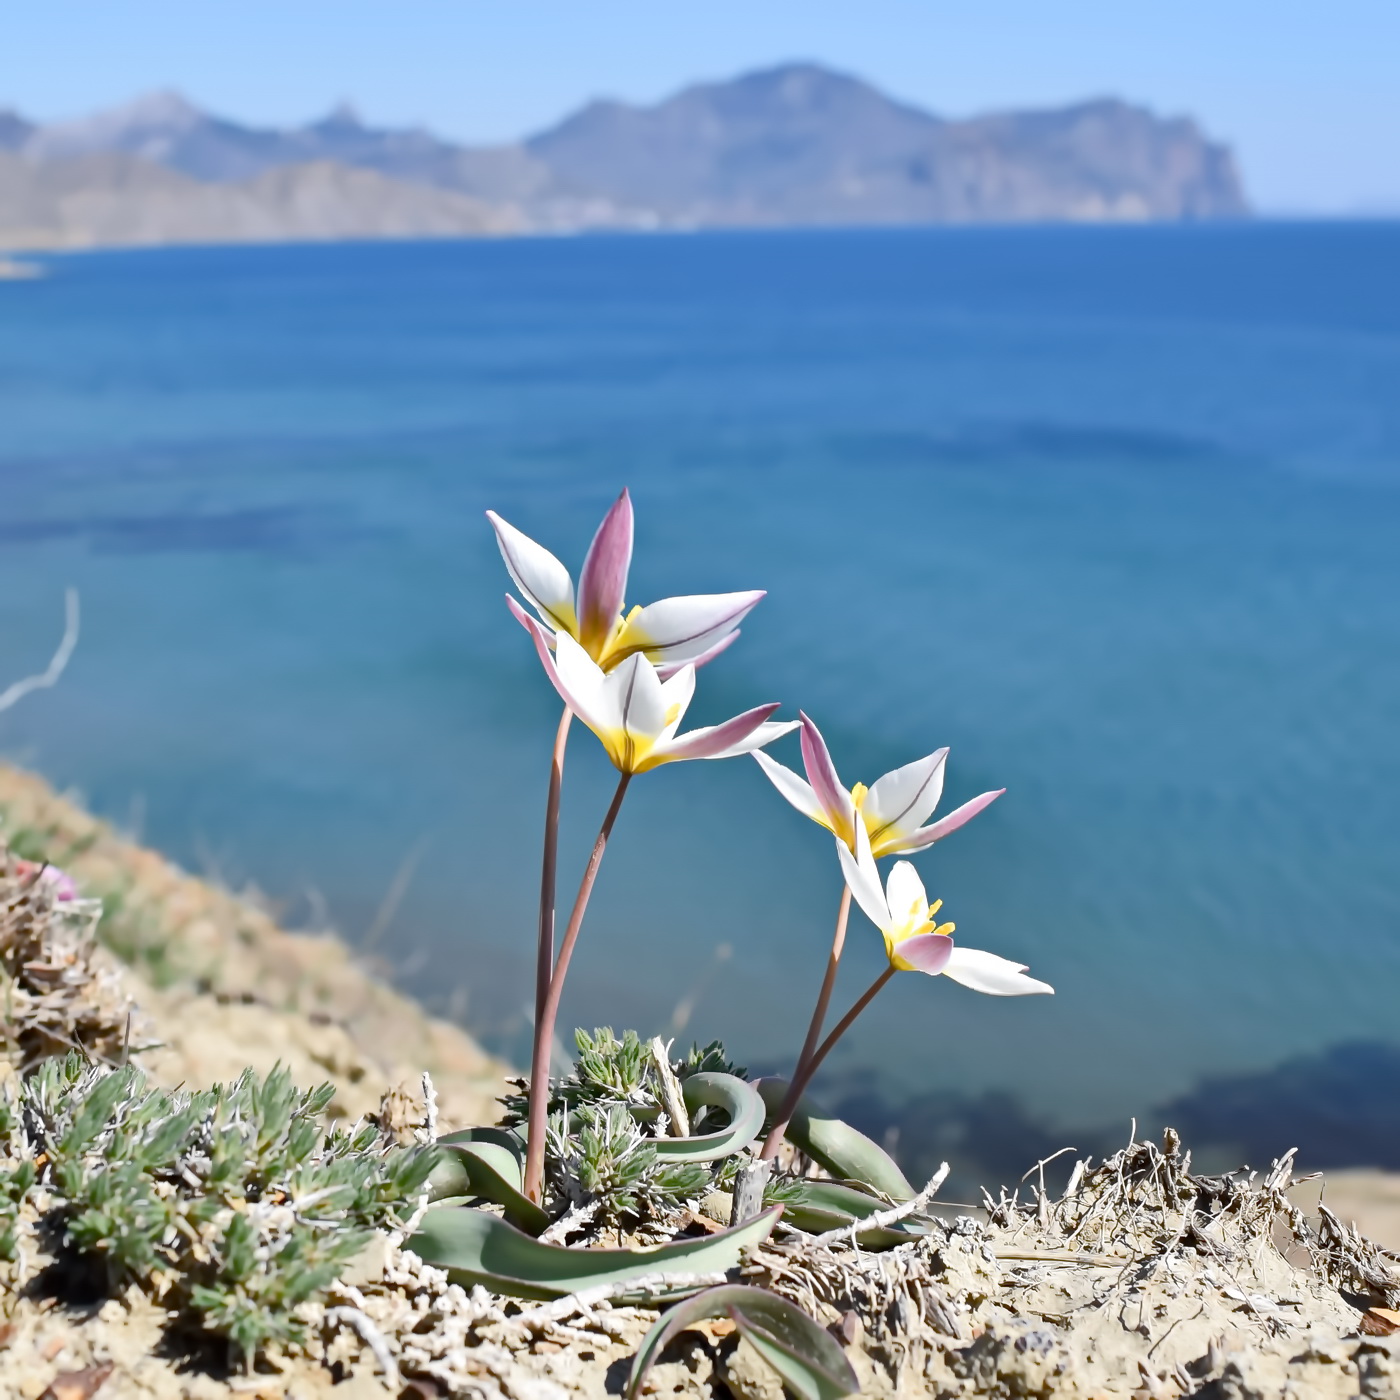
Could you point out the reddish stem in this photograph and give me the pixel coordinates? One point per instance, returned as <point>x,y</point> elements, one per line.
<point>789,1105</point>
<point>544,962</point>
<point>801,1081</point>
<point>544,1023</point>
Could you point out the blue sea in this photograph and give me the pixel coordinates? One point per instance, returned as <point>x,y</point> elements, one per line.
<point>1114,513</point>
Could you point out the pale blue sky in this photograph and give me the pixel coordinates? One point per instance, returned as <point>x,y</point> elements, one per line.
<point>1308,93</point>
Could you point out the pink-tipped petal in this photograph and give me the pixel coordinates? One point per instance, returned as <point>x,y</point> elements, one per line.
<point>960,816</point>
<point>682,629</point>
<point>524,618</point>
<point>542,639</point>
<point>581,685</point>
<point>741,734</point>
<point>543,580</point>
<point>993,976</point>
<point>602,584</point>
<point>825,781</point>
<point>925,952</point>
<point>900,802</point>
<point>792,787</point>
<point>725,642</point>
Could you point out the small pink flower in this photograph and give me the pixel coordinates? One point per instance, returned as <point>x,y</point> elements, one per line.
<point>58,880</point>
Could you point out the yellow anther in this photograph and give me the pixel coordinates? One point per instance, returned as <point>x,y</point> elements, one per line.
<point>673,714</point>
<point>858,794</point>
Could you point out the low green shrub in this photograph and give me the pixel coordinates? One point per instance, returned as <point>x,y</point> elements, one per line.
<point>232,1207</point>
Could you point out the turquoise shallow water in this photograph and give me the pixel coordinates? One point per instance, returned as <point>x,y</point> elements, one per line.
<point>1113,513</point>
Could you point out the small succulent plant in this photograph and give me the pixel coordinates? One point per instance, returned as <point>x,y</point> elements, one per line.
<point>232,1207</point>
<point>606,1119</point>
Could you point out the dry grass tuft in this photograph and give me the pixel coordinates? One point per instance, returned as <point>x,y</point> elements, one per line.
<point>60,990</point>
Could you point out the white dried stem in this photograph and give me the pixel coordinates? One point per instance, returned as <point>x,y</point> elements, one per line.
<point>372,1337</point>
<point>56,667</point>
<point>586,1299</point>
<point>572,1219</point>
<point>428,1132</point>
<point>750,1182</point>
<point>882,1218</point>
<point>671,1096</point>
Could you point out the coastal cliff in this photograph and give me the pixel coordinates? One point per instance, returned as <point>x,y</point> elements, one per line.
<point>797,145</point>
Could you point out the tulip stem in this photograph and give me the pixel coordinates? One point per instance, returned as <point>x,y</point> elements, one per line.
<point>789,1105</point>
<point>801,1080</point>
<point>544,1023</point>
<point>544,963</point>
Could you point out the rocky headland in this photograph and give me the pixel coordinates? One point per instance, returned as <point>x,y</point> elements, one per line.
<point>792,146</point>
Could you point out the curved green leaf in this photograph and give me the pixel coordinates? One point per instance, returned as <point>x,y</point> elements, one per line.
<point>819,1206</point>
<point>486,1162</point>
<point>808,1360</point>
<point>802,1364</point>
<point>837,1146</point>
<point>737,1097</point>
<point>508,1138</point>
<point>451,1175</point>
<point>476,1247</point>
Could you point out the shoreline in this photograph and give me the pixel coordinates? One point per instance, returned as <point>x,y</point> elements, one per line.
<point>64,247</point>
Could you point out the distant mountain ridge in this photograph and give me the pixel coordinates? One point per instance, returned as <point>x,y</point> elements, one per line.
<point>795,145</point>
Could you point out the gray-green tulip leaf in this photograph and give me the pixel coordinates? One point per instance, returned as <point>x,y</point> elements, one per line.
<point>807,1359</point>
<point>477,1247</point>
<point>486,1162</point>
<point>837,1146</point>
<point>737,1097</point>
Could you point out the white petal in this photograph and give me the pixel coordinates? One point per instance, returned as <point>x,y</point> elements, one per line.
<point>671,665</point>
<point>677,689</point>
<point>797,790</point>
<point>904,892</point>
<point>543,580</point>
<point>636,690</point>
<point>584,685</point>
<point>682,628</point>
<point>903,800</point>
<point>926,835</point>
<point>997,977</point>
<point>864,879</point>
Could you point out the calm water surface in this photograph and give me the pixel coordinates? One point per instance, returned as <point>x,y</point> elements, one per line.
<point>1115,514</point>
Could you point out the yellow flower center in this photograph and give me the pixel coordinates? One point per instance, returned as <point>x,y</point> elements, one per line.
<point>624,638</point>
